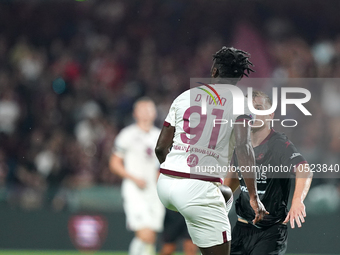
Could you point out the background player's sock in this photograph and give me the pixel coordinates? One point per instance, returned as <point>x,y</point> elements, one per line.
<point>137,246</point>
<point>150,249</point>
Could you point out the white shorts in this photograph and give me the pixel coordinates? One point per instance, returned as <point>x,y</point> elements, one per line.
<point>143,208</point>
<point>202,205</point>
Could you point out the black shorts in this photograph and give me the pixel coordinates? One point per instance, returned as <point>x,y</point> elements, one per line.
<point>249,240</point>
<point>175,227</point>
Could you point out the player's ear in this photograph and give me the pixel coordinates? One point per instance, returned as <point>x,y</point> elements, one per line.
<point>214,72</point>
<point>272,115</point>
<point>134,113</point>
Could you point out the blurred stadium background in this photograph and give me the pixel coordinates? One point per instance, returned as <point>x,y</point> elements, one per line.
<point>71,70</point>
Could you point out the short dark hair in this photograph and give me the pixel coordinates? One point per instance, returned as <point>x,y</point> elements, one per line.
<point>232,63</point>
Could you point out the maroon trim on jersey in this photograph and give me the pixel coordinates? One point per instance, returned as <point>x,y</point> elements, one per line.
<point>302,162</point>
<point>166,124</point>
<point>191,176</point>
<point>272,131</point>
<point>242,119</point>
<point>224,234</point>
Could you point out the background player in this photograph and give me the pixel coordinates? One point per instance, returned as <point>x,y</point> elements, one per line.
<point>271,148</point>
<point>197,196</point>
<point>134,160</point>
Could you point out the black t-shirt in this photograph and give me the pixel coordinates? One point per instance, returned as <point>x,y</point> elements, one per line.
<point>273,186</point>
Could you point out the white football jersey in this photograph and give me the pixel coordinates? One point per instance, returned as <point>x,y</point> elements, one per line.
<point>137,148</point>
<point>203,143</point>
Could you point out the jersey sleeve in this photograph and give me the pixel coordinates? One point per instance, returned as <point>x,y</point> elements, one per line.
<point>121,144</point>
<point>290,156</point>
<point>171,117</point>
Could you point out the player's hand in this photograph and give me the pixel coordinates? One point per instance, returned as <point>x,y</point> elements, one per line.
<point>140,183</point>
<point>296,213</point>
<point>259,209</point>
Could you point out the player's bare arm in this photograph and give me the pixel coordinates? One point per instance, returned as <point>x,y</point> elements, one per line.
<point>245,155</point>
<point>232,181</point>
<point>297,212</point>
<point>164,142</point>
<point>117,167</point>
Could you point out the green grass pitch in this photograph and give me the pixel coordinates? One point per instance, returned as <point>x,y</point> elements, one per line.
<point>23,252</point>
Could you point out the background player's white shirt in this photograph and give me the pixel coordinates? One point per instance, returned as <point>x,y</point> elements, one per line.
<point>142,206</point>
<point>136,147</point>
<point>202,145</point>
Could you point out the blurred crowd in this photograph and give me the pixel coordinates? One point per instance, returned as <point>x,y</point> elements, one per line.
<point>70,72</point>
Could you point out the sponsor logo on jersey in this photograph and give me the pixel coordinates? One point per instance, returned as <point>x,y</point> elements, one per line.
<point>260,156</point>
<point>192,160</point>
<point>294,155</point>
<point>245,189</point>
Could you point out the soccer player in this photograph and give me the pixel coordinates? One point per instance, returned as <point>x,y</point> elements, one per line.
<point>271,148</point>
<point>134,160</point>
<point>197,142</point>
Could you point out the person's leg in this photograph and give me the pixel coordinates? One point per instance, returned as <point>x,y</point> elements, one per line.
<point>175,229</point>
<point>137,217</point>
<point>136,246</point>
<point>164,185</point>
<point>143,242</point>
<point>168,249</point>
<point>172,231</point>
<point>189,247</point>
<point>204,209</point>
<point>144,213</point>
<point>152,218</point>
<point>272,241</point>
<point>152,222</point>
<point>146,235</point>
<point>239,237</point>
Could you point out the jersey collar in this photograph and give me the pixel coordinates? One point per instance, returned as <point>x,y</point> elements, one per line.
<point>272,131</point>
